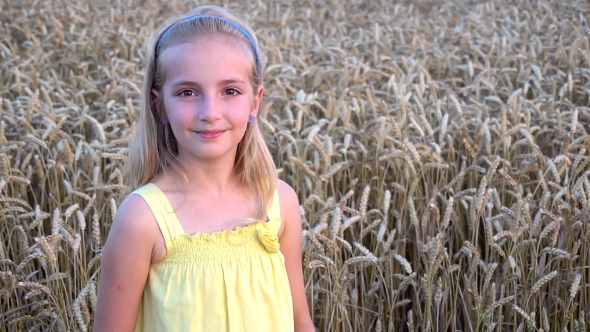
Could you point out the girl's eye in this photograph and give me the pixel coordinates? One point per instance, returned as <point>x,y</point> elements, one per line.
<point>186,93</point>
<point>232,92</point>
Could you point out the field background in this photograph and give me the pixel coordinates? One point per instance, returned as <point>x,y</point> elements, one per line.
<point>439,151</point>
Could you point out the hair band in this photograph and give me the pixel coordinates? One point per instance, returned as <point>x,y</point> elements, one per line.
<point>232,23</point>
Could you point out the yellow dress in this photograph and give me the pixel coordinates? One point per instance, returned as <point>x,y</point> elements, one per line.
<point>224,281</point>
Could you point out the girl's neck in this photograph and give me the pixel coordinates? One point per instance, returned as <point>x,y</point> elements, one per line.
<point>210,177</point>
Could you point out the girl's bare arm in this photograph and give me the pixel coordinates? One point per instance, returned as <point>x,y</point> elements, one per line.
<point>125,264</point>
<point>290,242</point>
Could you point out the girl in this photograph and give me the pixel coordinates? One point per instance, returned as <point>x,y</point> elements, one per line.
<point>174,259</point>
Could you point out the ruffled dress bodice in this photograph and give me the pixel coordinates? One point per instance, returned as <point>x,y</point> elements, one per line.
<point>224,281</point>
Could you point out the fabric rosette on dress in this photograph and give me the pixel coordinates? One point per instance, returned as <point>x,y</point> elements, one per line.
<point>269,240</point>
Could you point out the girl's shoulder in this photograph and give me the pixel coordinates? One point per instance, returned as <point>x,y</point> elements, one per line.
<point>289,205</point>
<point>135,219</point>
<point>134,204</point>
<point>287,194</point>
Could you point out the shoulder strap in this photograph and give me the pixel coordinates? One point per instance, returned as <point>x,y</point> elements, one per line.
<point>274,212</point>
<point>162,210</point>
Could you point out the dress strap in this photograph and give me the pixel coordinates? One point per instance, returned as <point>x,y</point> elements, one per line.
<point>162,210</point>
<point>274,212</point>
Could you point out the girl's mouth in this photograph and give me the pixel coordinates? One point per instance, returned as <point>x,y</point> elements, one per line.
<point>210,134</point>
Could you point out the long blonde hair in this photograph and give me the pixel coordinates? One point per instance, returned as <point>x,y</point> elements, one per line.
<point>153,147</point>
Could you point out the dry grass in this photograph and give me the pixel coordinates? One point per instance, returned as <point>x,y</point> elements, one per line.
<point>440,153</point>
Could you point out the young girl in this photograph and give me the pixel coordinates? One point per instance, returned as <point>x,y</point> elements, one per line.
<point>209,240</point>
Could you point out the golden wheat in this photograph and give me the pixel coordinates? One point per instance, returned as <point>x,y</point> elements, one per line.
<point>443,168</point>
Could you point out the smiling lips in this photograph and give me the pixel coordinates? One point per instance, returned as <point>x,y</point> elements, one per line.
<point>210,134</point>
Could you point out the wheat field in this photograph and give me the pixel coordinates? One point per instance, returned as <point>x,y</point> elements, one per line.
<point>440,152</point>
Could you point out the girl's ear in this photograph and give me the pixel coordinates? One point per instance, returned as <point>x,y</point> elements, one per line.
<point>155,92</point>
<point>257,100</point>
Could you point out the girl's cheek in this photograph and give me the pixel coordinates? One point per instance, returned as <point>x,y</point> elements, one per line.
<point>181,111</point>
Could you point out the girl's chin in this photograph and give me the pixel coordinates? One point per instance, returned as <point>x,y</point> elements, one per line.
<point>207,156</point>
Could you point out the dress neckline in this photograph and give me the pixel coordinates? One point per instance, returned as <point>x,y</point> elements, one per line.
<point>210,235</point>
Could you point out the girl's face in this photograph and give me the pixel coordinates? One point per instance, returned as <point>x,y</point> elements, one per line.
<point>208,96</point>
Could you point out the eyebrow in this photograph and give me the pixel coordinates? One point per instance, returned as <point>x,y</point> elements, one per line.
<point>232,81</point>
<point>223,82</point>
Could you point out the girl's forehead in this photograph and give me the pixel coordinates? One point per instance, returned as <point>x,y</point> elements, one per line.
<point>208,60</point>
<point>207,50</point>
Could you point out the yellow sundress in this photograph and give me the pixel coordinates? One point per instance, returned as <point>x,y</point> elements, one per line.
<point>224,281</point>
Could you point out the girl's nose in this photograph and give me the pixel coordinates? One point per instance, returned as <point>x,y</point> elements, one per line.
<point>210,109</point>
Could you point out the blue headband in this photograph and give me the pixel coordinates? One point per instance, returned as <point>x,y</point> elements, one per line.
<point>234,24</point>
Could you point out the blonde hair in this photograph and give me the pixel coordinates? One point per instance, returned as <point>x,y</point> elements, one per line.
<point>153,147</point>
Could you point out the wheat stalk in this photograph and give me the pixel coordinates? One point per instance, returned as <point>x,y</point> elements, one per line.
<point>405,264</point>
<point>575,285</point>
<point>541,282</point>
